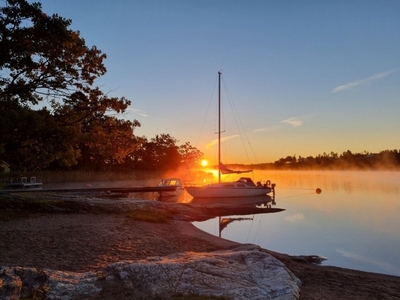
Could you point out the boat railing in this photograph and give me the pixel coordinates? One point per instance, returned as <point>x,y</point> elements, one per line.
<point>187,183</point>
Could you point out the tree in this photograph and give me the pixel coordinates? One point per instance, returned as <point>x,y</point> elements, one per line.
<point>289,159</point>
<point>34,140</point>
<point>334,155</point>
<point>107,141</point>
<point>41,58</point>
<point>162,153</point>
<point>190,156</point>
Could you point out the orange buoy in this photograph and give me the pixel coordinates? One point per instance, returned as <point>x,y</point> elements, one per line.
<point>318,191</point>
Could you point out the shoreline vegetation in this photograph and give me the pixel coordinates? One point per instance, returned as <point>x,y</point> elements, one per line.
<point>386,160</point>
<point>46,230</point>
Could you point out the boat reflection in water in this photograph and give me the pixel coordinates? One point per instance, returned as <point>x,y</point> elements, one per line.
<point>224,222</point>
<point>229,210</point>
<point>265,200</point>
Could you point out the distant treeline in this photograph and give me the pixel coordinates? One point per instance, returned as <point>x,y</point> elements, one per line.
<point>384,160</point>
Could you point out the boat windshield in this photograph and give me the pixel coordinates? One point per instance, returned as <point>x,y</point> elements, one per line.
<point>170,182</point>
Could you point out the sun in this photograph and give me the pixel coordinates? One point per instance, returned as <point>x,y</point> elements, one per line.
<point>204,162</point>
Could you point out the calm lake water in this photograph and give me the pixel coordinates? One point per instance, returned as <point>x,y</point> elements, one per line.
<point>354,222</point>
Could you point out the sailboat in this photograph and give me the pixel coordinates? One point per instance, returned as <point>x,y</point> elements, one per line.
<point>244,187</point>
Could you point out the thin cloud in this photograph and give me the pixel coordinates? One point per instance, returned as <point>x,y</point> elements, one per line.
<point>262,129</point>
<point>224,139</point>
<point>138,112</point>
<point>296,122</point>
<point>364,81</point>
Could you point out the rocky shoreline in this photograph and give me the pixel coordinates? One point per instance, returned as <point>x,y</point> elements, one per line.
<point>73,236</point>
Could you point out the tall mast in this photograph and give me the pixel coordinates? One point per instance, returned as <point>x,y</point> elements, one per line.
<point>219,126</point>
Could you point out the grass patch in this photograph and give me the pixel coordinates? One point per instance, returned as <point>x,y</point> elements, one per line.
<point>27,205</point>
<point>154,216</point>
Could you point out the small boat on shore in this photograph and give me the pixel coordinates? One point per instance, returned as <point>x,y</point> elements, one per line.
<point>171,182</point>
<point>21,183</point>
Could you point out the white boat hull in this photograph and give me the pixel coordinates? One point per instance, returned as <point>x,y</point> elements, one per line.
<point>219,191</point>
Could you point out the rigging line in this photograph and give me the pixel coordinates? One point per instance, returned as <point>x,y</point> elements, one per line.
<point>216,227</point>
<point>248,233</point>
<point>205,116</point>
<point>236,117</point>
<point>242,132</point>
<point>262,218</point>
<point>240,128</point>
<point>258,228</point>
<point>223,125</point>
<point>226,177</point>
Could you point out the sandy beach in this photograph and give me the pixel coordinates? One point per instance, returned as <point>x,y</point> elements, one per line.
<point>83,242</point>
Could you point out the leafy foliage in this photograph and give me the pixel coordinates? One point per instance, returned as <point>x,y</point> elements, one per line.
<point>33,138</point>
<point>42,56</point>
<point>163,153</point>
<point>42,59</point>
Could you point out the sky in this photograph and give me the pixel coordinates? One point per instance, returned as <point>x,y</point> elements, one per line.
<point>302,77</point>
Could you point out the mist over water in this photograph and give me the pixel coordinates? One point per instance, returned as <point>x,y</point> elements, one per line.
<point>354,222</point>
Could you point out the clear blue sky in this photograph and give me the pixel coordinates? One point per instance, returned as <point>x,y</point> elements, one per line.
<point>306,77</point>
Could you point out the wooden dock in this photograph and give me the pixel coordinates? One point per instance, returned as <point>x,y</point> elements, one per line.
<point>135,189</point>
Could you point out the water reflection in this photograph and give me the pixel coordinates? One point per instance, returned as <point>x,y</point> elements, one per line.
<point>265,200</point>
<point>239,209</point>
<point>224,222</point>
<point>354,221</point>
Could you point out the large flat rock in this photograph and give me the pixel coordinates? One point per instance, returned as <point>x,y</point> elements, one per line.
<point>245,272</point>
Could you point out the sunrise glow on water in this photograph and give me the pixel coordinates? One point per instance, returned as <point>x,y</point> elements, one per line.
<point>354,221</point>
